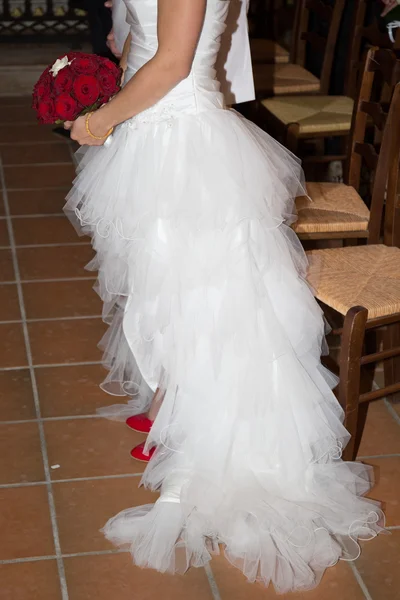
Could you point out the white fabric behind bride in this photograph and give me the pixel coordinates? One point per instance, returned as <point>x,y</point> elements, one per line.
<point>234,68</point>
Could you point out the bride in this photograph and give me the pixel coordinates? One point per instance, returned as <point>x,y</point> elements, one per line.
<point>189,207</point>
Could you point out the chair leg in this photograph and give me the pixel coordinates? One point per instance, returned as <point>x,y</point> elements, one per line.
<point>350,371</point>
<point>292,138</point>
<point>391,339</point>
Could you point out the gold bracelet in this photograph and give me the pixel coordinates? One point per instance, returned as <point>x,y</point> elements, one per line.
<point>96,137</point>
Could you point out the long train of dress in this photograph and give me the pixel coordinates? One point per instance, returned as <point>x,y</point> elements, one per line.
<point>203,282</point>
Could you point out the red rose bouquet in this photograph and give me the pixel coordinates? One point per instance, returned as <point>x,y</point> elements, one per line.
<point>74,85</point>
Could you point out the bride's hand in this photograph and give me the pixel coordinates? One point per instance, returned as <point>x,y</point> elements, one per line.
<point>79,132</point>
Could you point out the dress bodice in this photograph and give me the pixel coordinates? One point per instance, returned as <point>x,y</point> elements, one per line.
<point>201,90</point>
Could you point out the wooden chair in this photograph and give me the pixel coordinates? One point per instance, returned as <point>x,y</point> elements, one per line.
<point>297,118</point>
<point>362,284</point>
<point>336,210</point>
<point>292,77</point>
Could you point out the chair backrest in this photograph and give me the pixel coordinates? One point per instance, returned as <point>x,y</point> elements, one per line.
<point>380,75</point>
<point>385,195</point>
<point>323,43</point>
<point>364,34</point>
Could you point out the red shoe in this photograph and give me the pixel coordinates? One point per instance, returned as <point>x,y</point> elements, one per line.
<point>138,453</point>
<point>140,423</point>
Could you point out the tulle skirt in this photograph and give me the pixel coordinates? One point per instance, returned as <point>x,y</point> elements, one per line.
<point>203,283</point>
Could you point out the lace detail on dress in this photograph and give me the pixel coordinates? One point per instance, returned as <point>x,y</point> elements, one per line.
<point>155,114</point>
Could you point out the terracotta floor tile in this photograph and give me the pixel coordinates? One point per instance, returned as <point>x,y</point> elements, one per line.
<point>17,113</point>
<point>12,348</point>
<point>25,523</point>
<point>2,211</point>
<point>61,299</point>
<point>46,230</point>
<point>379,566</point>
<point>112,577</point>
<point>4,241</point>
<point>16,399</point>
<point>84,507</point>
<point>54,263</point>
<point>69,391</point>
<point>30,581</point>
<point>6,266</point>
<point>91,447</point>
<point>387,488</point>
<point>16,133</point>
<point>41,176</point>
<point>37,202</point>
<point>35,153</point>
<point>24,102</point>
<point>21,458</point>
<point>337,582</point>
<point>66,341</point>
<point>381,434</point>
<point>9,305</point>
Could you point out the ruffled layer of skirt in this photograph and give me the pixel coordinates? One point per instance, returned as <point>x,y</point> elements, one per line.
<point>203,283</point>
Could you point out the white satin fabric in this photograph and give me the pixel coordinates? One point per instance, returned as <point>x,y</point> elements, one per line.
<point>234,68</point>
<point>203,283</point>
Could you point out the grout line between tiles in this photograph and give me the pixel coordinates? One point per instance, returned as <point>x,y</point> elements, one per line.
<point>53,517</point>
<point>52,319</point>
<point>52,245</point>
<point>50,419</point>
<point>39,189</point>
<point>62,279</point>
<point>391,411</point>
<point>36,216</point>
<point>55,245</point>
<point>41,164</point>
<point>212,583</point>
<point>50,365</point>
<point>377,456</point>
<point>70,480</point>
<point>360,581</point>
<point>96,553</point>
<point>13,561</point>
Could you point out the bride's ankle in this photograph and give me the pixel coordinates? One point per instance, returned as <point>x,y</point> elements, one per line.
<point>171,487</point>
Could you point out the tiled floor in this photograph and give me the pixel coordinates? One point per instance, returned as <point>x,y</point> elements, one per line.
<point>64,471</point>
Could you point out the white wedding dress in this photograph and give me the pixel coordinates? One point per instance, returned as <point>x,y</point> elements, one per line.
<point>203,283</point>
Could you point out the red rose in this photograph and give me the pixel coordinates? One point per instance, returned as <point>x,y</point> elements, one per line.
<point>109,65</point>
<point>108,82</point>
<point>85,64</point>
<point>43,87</point>
<point>86,90</point>
<point>46,112</point>
<point>42,90</point>
<point>64,80</point>
<point>67,108</point>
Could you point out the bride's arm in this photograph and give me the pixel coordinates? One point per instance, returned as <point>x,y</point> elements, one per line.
<point>179,27</point>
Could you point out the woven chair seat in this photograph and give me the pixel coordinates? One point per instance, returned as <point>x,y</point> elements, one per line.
<point>268,51</point>
<point>284,79</point>
<point>331,207</point>
<point>367,276</point>
<point>314,114</point>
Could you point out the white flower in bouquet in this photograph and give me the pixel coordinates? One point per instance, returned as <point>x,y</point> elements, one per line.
<point>59,64</point>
